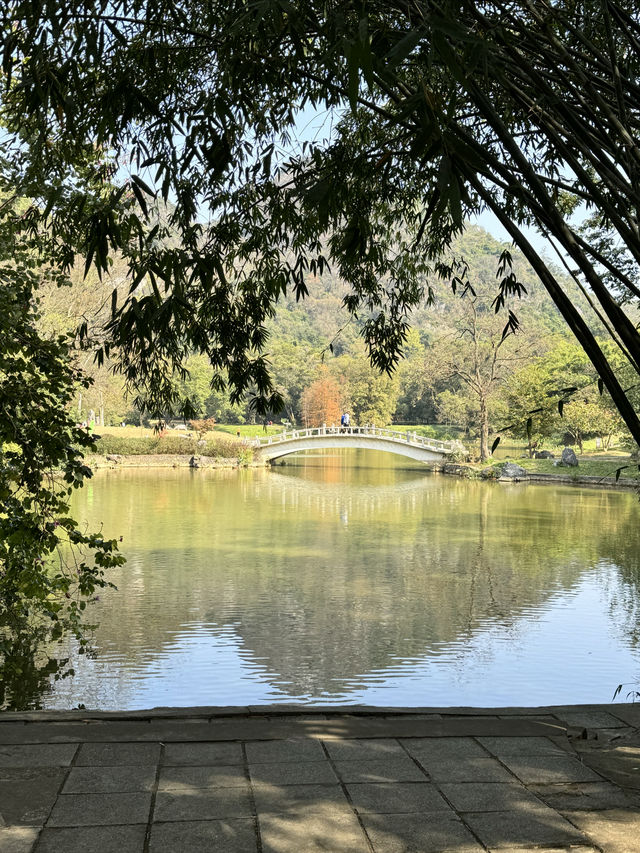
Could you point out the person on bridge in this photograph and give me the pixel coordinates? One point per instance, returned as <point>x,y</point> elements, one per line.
<point>345,421</point>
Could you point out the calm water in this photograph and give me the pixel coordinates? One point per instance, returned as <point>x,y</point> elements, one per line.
<point>351,578</point>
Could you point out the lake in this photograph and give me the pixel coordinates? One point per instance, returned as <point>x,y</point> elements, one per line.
<point>354,577</point>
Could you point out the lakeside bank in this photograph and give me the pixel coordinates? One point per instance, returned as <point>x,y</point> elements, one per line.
<point>454,469</point>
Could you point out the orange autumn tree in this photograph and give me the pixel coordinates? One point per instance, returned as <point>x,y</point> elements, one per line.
<point>322,401</point>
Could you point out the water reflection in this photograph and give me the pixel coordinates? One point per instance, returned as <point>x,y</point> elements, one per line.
<point>357,578</point>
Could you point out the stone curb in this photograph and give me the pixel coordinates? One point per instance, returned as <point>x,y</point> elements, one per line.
<point>623,711</point>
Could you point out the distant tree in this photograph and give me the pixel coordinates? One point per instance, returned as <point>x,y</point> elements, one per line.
<point>480,355</point>
<point>194,385</point>
<point>370,395</point>
<point>531,413</point>
<point>584,417</point>
<point>322,401</point>
<point>293,366</point>
<point>455,408</point>
<point>558,394</point>
<point>202,426</point>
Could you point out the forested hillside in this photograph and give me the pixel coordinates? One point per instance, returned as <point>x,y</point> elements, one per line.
<point>459,368</point>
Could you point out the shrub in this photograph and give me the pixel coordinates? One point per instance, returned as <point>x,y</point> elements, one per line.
<point>173,445</point>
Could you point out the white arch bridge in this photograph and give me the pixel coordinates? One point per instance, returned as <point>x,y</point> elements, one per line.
<point>370,438</point>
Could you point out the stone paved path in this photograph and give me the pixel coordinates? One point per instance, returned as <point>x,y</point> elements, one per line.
<point>291,781</point>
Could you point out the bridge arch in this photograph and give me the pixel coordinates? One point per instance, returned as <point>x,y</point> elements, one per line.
<point>407,444</point>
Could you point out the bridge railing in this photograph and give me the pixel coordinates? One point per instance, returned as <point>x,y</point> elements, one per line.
<point>406,437</point>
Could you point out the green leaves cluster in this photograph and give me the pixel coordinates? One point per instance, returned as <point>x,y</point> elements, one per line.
<point>436,111</point>
<point>49,567</point>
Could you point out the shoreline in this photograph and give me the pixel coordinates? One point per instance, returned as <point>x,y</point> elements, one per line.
<point>471,472</point>
<point>114,461</point>
<point>627,713</point>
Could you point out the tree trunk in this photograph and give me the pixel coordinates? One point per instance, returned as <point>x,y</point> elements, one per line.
<point>484,430</point>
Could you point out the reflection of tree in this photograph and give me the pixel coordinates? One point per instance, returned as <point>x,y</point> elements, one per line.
<point>27,669</point>
<point>424,561</point>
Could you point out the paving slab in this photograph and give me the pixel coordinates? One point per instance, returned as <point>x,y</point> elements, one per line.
<point>31,755</point>
<point>396,798</point>
<point>429,832</point>
<point>215,836</point>
<point>255,728</point>
<point>18,839</point>
<point>100,809</point>
<point>444,749</point>
<point>537,769</point>
<point>105,754</point>
<point>401,769</point>
<point>573,848</point>
<point>203,804</point>
<point>310,799</point>
<point>55,732</point>
<point>293,833</point>
<point>293,773</point>
<point>629,713</point>
<point>586,796</point>
<point>466,770</point>
<point>488,796</point>
<point>203,753</point>
<point>508,746</point>
<point>400,727</point>
<point>528,825</point>
<point>92,839</point>
<point>109,780</point>
<point>289,750</point>
<point>591,718</point>
<point>185,778</point>
<point>619,763</point>
<point>615,830</point>
<point>27,795</point>
<point>363,750</point>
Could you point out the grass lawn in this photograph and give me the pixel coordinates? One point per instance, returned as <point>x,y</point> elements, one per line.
<point>126,432</point>
<point>249,430</point>
<point>604,465</point>
<point>439,431</point>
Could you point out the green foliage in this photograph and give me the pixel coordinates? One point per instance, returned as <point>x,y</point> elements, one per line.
<point>556,395</point>
<point>435,116</point>
<point>443,433</point>
<point>249,430</point>
<point>371,397</point>
<point>50,568</point>
<point>245,456</point>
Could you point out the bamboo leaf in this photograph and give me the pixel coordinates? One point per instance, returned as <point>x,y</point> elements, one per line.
<point>136,179</point>
<point>402,48</point>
